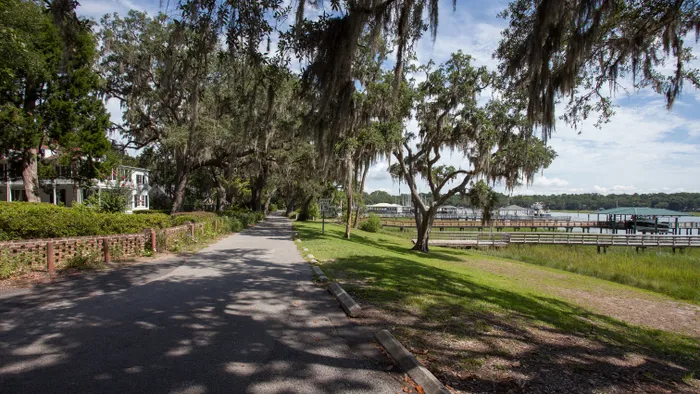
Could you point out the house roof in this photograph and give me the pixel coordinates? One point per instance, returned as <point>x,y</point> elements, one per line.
<point>515,208</point>
<point>642,212</point>
<point>384,205</point>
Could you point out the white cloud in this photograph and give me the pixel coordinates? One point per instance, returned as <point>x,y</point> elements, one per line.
<point>379,172</point>
<point>98,8</point>
<point>549,182</point>
<point>617,189</point>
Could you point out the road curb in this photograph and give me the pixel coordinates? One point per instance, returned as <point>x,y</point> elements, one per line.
<point>319,274</point>
<point>349,305</point>
<point>406,361</point>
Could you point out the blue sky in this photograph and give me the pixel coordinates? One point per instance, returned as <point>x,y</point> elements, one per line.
<point>645,148</point>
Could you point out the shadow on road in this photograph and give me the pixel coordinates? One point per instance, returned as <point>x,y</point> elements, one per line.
<point>233,319</point>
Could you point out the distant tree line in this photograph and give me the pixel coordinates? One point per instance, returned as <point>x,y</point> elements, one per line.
<point>685,202</point>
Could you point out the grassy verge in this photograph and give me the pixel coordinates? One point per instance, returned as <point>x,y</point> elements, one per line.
<point>657,269</point>
<point>476,325</point>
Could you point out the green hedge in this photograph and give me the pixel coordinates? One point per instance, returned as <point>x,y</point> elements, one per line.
<point>196,216</point>
<point>372,224</point>
<point>241,219</point>
<point>23,220</point>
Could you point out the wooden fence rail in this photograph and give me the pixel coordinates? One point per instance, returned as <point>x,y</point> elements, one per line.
<point>475,239</point>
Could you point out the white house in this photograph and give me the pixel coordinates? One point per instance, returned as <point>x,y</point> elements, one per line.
<point>514,210</point>
<point>385,209</point>
<point>64,190</point>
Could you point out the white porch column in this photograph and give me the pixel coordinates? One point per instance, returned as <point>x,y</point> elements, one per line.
<point>54,194</point>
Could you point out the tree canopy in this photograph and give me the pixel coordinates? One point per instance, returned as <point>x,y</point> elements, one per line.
<point>217,110</point>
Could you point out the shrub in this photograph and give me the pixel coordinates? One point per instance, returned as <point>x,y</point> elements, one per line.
<point>85,260</point>
<point>372,224</point>
<point>314,211</point>
<point>195,216</point>
<point>259,216</point>
<point>23,220</point>
<point>151,211</point>
<point>273,207</point>
<point>234,225</point>
<point>109,200</point>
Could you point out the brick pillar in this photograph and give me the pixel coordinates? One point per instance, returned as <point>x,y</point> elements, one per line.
<point>105,249</point>
<point>50,259</point>
<point>153,240</point>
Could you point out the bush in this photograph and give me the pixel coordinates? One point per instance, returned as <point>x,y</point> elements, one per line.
<point>196,216</point>
<point>235,225</point>
<point>372,224</point>
<point>259,216</point>
<point>314,211</point>
<point>245,217</point>
<point>151,211</point>
<point>24,220</point>
<point>273,207</point>
<point>113,200</point>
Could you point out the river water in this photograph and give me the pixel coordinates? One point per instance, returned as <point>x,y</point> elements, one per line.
<point>594,217</point>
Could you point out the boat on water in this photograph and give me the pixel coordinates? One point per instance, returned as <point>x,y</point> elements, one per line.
<point>648,224</point>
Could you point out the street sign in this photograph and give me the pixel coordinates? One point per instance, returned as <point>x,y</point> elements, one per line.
<point>324,205</point>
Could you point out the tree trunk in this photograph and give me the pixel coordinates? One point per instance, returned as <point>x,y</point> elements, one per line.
<point>348,193</point>
<point>290,207</point>
<point>268,200</point>
<point>362,199</point>
<point>30,175</point>
<point>424,223</point>
<point>180,191</point>
<point>256,192</point>
<point>304,214</point>
<point>220,198</point>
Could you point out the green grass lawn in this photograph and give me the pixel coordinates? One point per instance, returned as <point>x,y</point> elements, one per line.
<point>657,269</point>
<point>382,270</point>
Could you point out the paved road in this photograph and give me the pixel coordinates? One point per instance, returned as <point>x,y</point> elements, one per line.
<point>241,316</point>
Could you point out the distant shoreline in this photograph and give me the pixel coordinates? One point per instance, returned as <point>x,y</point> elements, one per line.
<point>589,211</point>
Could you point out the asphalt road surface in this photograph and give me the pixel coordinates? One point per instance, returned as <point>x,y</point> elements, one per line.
<point>241,316</point>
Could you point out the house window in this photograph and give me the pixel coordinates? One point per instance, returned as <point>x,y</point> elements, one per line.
<point>18,195</point>
<point>3,171</point>
<point>63,171</point>
<point>139,180</point>
<point>140,201</point>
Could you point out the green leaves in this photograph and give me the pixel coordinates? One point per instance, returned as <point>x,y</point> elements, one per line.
<point>50,91</point>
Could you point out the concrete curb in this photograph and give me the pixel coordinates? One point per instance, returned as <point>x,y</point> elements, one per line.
<point>319,273</point>
<point>351,307</point>
<point>406,361</point>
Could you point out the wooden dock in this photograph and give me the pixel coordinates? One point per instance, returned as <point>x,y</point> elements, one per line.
<point>479,239</point>
<point>534,225</point>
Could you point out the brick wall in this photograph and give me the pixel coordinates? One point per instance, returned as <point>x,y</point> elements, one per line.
<point>31,255</point>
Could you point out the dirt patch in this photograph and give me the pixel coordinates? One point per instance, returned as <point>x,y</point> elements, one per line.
<point>500,354</point>
<point>628,305</point>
